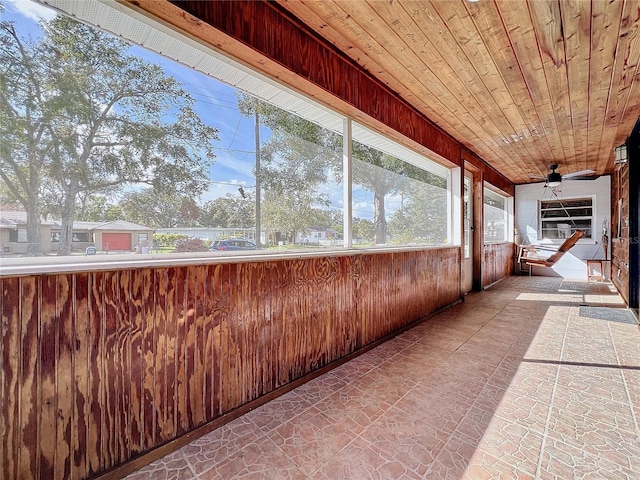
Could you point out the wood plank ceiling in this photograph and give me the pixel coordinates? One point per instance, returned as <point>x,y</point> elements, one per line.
<point>523,84</point>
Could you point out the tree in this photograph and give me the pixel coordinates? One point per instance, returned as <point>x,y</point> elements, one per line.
<point>363,229</point>
<point>232,210</point>
<point>160,208</point>
<point>79,115</point>
<point>297,158</point>
<point>421,218</point>
<point>97,208</point>
<point>384,174</point>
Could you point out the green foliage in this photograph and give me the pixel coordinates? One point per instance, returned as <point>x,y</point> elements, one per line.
<point>232,210</point>
<point>97,208</point>
<point>298,158</point>
<point>363,229</point>
<point>80,116</point>
<point>169,239</point>
<point>160,208</point>
<point>422,218</point>
<point>191,245</point>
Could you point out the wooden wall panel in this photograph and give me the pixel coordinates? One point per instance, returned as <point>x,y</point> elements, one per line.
<point>620,224</point>
<point>100,367</point>
<point>497,262</point>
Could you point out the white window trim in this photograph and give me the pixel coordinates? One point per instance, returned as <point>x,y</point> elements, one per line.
<point>508,209</point>
<point>593,217</point>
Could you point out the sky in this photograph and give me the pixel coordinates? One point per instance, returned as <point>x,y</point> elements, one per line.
<point>216,104</point>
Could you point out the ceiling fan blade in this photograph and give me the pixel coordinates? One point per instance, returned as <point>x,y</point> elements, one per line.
<point>538,176</point>
<point>579,173</point>
<point>582,177</point>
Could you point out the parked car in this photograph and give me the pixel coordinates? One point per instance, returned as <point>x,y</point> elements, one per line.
<point>233,244</point>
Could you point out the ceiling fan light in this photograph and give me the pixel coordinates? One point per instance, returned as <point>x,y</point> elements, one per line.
<point>554,179</point>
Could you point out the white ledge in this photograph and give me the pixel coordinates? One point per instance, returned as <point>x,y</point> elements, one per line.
<point>26,266</point>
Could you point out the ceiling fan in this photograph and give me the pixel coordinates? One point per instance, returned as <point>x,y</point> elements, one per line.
<point>554,178</point>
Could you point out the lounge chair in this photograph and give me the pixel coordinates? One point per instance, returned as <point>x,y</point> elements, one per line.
<point>531,255</point>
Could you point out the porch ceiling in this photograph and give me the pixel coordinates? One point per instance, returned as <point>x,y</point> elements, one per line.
<point>524,84</point>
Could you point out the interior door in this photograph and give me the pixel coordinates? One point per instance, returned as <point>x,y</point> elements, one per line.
<point>468,232</point>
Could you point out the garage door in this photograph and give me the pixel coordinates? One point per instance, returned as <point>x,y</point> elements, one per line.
<point>116,241</point>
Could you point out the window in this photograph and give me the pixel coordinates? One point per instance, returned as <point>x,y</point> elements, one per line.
<point>18,235</point>
<point>399,197</point>
<point>496,221</point>
<point>559,218</point>
<point>278,174</point>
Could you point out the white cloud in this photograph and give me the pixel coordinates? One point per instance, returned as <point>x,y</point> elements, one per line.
<point>32,10</point>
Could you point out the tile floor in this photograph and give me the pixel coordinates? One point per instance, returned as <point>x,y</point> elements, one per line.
<point>517,382</point>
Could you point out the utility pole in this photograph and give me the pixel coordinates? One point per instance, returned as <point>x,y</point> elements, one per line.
<point>257,135</point>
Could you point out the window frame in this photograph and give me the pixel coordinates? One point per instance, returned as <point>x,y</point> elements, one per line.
<point>567,219</point>
<point>508,216</point>
<point>279,95</point>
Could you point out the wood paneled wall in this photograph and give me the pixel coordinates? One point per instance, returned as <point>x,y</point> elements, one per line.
<point>99,367</point>
<point>620,225</point>
<point>497,262</point>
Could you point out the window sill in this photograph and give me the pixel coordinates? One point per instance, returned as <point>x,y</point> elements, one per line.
<point>23,266</point>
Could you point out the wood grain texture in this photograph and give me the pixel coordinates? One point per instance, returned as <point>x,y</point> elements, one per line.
<point>620,223</point>
<point>521,84</point>
<point>100,367</point>
<point>497,262</point>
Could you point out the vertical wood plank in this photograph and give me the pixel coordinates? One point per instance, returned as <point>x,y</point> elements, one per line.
<point>164,367</point>
<point>208,334</point>
<point>216,294</point>
<point>170,379</point>
<point>81,375</point>
<point>66,428</point>
<point>190,346</point>
<point>112,367</point>
<point>12,426</point>
<point>49,335</point>
<point>123,367</point>
<point>183,359</point>
<point>234,374</point>
<point>30,398</point>
<point>268,333</point>
<point>198,384</point>
<point>138,294</point>
<point>150,354</point>
<point>95,447</point>
<point>224,357</point>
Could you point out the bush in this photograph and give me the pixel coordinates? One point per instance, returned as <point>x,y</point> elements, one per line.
<point>169,239</point>
<point>191,245</point>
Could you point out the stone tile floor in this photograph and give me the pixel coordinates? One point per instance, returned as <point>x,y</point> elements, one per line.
<point>513,383</point>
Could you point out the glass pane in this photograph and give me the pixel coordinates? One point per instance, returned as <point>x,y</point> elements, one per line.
<point>495,217</point>
<point>177,161</point>
<point>396,202</point>
<point>561,217</point>
<point>467,216</point>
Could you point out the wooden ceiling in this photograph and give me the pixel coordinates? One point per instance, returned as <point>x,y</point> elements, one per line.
<point>523,84</point>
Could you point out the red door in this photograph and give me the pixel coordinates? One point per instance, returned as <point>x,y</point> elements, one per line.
<point>116,241</point>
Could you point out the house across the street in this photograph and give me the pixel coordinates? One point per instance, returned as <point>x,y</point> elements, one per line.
<point>112,236</point>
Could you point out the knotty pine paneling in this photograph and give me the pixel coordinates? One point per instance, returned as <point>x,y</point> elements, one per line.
<point>497,262</point>
<point>100,367</point>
